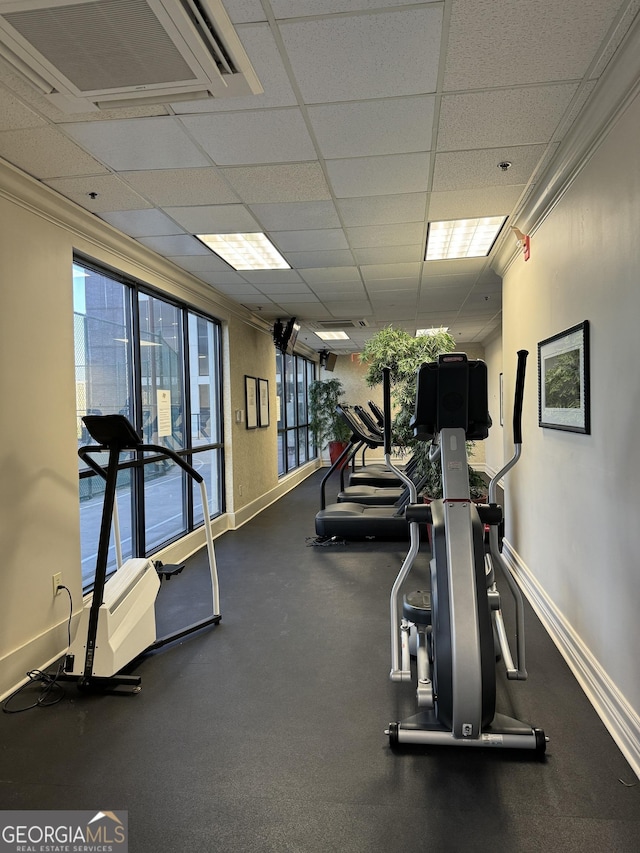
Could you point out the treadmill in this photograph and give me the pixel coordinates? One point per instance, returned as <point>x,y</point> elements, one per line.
<point>354,520</point>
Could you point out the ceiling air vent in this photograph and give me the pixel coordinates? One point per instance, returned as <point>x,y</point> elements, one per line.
<point>94,54</point>
<point>337,325</point>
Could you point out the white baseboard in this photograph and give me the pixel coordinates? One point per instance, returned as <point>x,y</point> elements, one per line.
<point>620,719</point>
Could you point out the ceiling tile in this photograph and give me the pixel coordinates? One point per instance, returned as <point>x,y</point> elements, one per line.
<point>456,170</point>
<point>504,117</point>
<point>296,216</point>
<point>302,241</point>
<point>210,262</point>
<point>278,183</point>
<point>176,187</point>
<point>44,152</point>
<point>271,276</point>
<point>283,287</point>
<point>182,244</point>
<point>386,235</point>
<point>295,300</point>
<point>258,41</point>
<point>14,115</point>
<point>507,44</point>
<point>385,54</point>
<point>393,174</point>
<point>142,223</point>
<point>296,8</point>
<point>244,10</point>
<point>139,143</point>
<point>331,274</point>
<point>349,310</point>
<point>214,218</point>
<point>383,210</point>
<point>254,136</point>
<point>466,266</point>
<point>389,254</point>
<point>218,279</point>
<point>390,126</point>
<point>112,193</point>
<point>377,285</point>
<point>488,201</point>
<point>347,294</point>
<point>336,258</point>
<point>402,270</point>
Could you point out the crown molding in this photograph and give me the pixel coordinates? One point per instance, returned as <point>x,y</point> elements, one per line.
<point>42,201</point>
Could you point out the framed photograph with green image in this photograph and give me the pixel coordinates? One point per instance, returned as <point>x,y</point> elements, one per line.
<point>563,380</point>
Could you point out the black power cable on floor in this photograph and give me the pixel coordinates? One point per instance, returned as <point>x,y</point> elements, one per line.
<point>50,691</point>
<point>324,541</point>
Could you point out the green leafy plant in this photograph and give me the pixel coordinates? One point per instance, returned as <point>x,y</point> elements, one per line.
<point>403,354</point>
<point>324,422</point>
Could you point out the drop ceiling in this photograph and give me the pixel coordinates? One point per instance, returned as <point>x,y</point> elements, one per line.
<point>377,116</point>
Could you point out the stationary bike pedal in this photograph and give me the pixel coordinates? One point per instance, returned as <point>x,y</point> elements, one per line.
<point>416,607</point>
<point>166,572</point>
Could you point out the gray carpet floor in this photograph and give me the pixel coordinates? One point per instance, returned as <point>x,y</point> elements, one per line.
<point>266,733</point>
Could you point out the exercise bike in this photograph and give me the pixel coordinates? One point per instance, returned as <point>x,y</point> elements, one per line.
<point>455,630</point>
<point>117,623</point>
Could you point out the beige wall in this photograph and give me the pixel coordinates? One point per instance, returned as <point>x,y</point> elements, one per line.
<point>572,509</point>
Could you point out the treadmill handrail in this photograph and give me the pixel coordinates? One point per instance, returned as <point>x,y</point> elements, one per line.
<point>85,451</point>
<point>358,428</point>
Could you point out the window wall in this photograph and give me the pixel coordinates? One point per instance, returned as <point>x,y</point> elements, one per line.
<point>295,441</point>
<point>157,362</point>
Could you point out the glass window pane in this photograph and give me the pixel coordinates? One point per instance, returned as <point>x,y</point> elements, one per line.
<point>207,464</point>
<point>91,500</point>
<point>164,503</point>
<point>302,445</point>
<point>102,339</point>
<point>282,468</point>
<point>292,460</point>
<point>161,366</point>
<point>204,381</point>
<point>290,391</point>
<point>156,392</point>
<point>279,390</point>
<point>302,391</point>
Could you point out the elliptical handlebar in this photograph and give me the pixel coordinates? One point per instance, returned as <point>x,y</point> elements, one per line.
<point>386,392</point>
<point>519,396</point>
<point>517,424</point>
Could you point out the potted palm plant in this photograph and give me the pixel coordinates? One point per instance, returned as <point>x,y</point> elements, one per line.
<point>327,426</point>
<point>403,354</point>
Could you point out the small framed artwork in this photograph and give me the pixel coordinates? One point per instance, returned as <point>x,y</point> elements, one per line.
<point>263,402</point>
<point>563,380</point>
<point>251,401</point>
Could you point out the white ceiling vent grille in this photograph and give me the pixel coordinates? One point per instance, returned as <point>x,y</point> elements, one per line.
<point>337,325</point>
<point>92,54</point>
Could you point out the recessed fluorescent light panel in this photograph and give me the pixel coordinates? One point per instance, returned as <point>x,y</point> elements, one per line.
<point>423,333</point>
<point>462,238</point>
<point>333,336</point>
<point>245,251</point>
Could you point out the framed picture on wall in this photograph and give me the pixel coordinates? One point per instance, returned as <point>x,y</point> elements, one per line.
<point>251,401</point>
<point>263,402</point>
<point>563,380</point>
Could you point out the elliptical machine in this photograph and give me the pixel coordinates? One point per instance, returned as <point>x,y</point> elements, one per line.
<point>117,623</point>
<point>456,627</point>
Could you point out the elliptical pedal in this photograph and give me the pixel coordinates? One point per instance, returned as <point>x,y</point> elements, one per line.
<point>416,607</point>
<point>166,572</point>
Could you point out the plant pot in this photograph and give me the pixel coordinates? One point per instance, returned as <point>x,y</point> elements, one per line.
<point>335,449</point>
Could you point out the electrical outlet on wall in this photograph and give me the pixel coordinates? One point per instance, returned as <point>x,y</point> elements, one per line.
<point>57,581</point>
